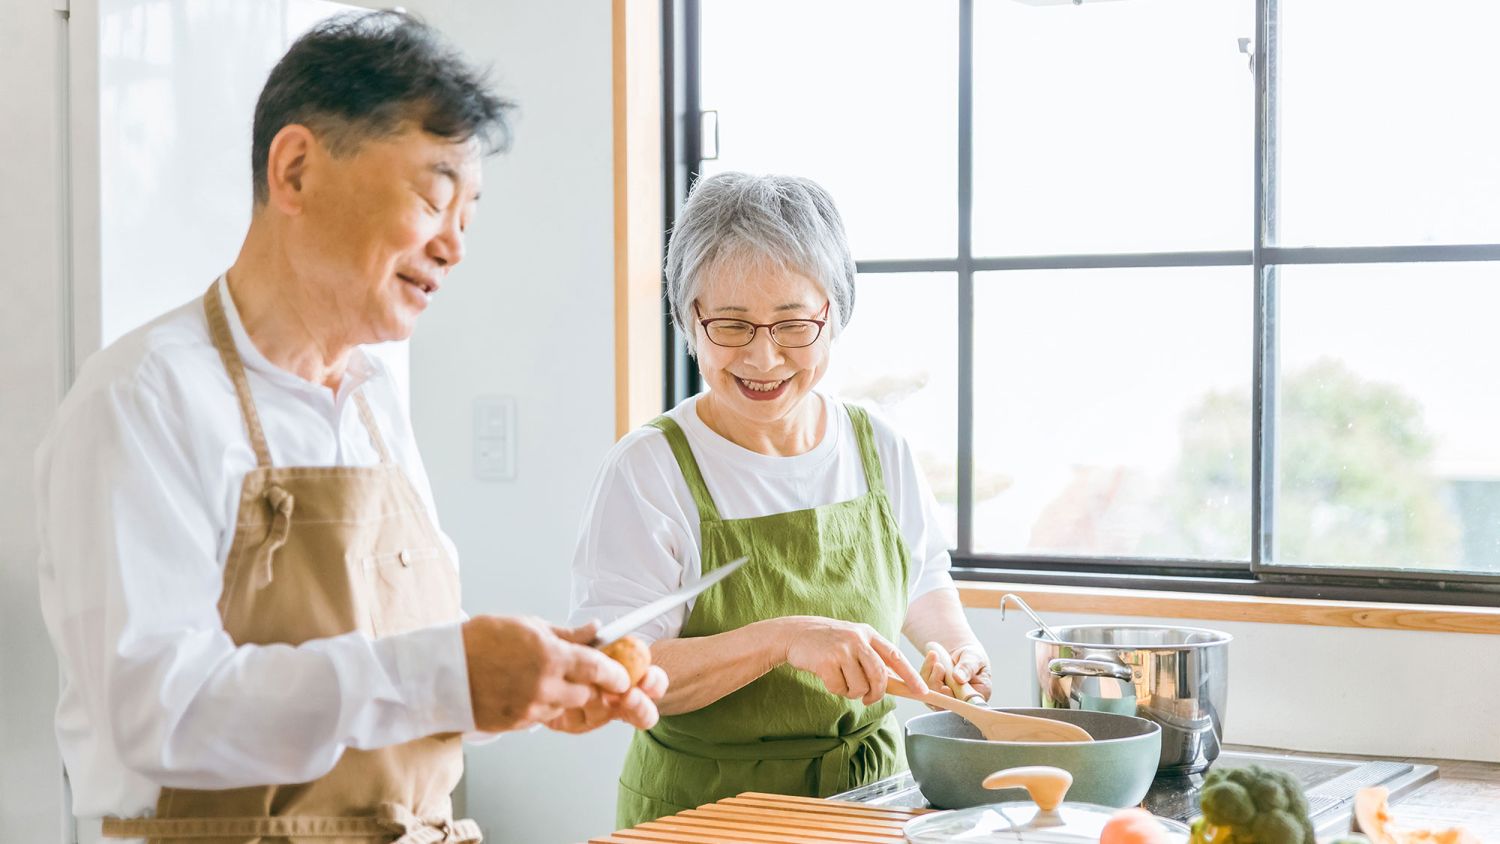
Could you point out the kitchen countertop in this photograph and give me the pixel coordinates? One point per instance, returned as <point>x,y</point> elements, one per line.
<point>1464,794</point>
<point>1436,793</point>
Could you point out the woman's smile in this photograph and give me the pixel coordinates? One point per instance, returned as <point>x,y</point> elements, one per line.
<point>761,390</point>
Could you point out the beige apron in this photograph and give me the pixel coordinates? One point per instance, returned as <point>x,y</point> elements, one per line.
<point>318,552</point>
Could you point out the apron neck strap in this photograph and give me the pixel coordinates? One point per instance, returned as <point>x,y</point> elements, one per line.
<point>218,330</point>
<point>707,512</point>
<point>223,339</point>
<point>368,417</point>
<point>865,437</point>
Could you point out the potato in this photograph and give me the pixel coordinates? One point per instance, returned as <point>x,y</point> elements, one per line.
<point>631,653</point>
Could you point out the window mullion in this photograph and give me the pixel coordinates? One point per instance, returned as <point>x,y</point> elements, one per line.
<point>965,275</point>
<point>1264,366</point>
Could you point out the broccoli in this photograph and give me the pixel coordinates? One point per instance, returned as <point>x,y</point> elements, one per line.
<point>1252,805</point>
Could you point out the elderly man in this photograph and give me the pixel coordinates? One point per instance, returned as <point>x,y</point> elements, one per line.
<point>256,614</point>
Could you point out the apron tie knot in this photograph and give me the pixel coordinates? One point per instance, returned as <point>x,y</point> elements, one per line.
<point>417,830</point>
<point>836,769</point>
<point>281,503</point>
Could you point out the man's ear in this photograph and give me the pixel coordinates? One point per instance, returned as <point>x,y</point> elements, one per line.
<point>292,152</point>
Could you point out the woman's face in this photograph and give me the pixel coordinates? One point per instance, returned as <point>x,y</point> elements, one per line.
<point>761,382</point>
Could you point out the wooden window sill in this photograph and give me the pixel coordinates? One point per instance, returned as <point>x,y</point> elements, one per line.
<point>1261,610</point>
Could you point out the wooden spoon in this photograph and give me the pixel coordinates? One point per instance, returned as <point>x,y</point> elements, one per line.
<point>993,724</point>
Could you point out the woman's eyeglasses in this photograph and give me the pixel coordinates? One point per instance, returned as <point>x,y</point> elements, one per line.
<point>788,333</point>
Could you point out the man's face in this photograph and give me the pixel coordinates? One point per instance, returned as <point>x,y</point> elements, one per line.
<point>381,228</point>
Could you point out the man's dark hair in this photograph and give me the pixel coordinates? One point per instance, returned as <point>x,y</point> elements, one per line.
<point>364,75</point>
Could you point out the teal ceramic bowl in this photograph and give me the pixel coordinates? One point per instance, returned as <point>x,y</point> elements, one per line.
<point>949,759</point>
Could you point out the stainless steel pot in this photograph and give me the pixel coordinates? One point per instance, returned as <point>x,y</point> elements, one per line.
<point>1175,676</point>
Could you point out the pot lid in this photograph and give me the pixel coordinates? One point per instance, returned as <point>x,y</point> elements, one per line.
<point>1047,818</point>
<point>1000,822</point>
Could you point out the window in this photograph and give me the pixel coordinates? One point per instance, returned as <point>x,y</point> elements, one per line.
<point>1192,293</point>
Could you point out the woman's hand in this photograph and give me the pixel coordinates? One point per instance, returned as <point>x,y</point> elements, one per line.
<point>937,618</point>
<point>948,672</point>
<point>851,659</point>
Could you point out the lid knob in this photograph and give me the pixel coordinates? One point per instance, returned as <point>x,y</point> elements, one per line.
<point>1046,785</point>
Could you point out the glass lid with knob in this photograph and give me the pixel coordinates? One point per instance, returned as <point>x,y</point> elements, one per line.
<point>1047,818</point>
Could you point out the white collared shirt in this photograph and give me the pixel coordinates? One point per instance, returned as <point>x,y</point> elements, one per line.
<point>138,484</point>
<point>641,536</point>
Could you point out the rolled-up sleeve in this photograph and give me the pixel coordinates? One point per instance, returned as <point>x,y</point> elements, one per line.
<point>130,587</point>
<point>917,514</point>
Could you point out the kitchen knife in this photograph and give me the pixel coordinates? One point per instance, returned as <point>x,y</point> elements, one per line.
<point>635,618</point>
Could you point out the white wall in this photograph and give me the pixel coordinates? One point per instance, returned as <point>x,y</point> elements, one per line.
<point>31,379</point>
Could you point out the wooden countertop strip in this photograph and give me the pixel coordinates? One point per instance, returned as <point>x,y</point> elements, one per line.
<point>800,819</point>
<point>756,818</point>
<point>1211,607</point>
<point>753,834</point>
<point>643,833</point>
<point>762,827</point>
<point>817,806</point>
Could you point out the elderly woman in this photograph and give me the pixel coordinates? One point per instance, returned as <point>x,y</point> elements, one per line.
<point>779,672</point>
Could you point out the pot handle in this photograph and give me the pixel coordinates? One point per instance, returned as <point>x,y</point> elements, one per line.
<point>1090,668</point>
<point>1046,785</point>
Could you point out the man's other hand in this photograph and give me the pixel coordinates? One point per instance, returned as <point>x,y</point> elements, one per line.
<point>522,672</point>
<point>636,707</point>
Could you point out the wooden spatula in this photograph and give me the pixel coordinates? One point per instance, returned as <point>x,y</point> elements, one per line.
<point>993,724</point>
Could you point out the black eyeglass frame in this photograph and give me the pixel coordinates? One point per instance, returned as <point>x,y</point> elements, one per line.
<point>757,326</point>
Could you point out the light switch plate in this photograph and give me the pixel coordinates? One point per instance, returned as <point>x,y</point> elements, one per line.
<point>495,438</point>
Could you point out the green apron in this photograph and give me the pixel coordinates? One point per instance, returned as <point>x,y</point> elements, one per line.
<point>785,732</point>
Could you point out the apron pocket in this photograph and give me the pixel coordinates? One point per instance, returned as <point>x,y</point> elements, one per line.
<point>410,588</point>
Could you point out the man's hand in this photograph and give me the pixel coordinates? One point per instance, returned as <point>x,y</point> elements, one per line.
<point>637,707</point>
<point>522,672</point>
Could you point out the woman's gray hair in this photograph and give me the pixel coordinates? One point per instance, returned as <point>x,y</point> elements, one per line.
<point>744,224</point>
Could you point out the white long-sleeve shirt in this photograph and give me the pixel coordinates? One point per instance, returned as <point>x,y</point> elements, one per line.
<point>641,538</point>
<point>138,484</point>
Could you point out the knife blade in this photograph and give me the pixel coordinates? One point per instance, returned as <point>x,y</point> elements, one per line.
<point>634,619</point>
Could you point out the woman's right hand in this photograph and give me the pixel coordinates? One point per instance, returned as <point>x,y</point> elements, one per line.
<point>851,659</point>
<point>962,674</point>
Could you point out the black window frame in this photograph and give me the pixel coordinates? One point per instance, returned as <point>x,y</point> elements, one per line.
<point>682,164</point>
